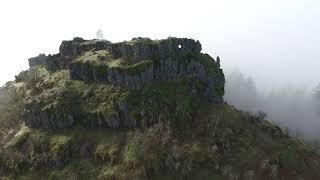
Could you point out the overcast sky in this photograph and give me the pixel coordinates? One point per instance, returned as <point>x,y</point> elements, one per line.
<point>275,41</point>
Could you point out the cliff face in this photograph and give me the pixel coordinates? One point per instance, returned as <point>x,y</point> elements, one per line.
<point>130,66</point>
<point>74,48</point>
<point>144,48</point>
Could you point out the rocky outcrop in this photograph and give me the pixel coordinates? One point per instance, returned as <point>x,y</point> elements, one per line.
<point>74,48</point>
<point>171,59</point>
<point>170,69</point>
<point>131,65</point>
<point>38,60</point>
<point>50,117</point>
<point>50,62</point>
<point>142,48</point>
<point>129,77</point>
<point>68,51</point>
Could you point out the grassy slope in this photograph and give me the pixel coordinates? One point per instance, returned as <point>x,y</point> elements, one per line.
<point>220,138</point>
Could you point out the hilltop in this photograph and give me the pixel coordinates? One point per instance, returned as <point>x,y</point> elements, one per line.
<point>138,109</point>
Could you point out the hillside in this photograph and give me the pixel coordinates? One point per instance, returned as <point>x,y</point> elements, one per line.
<point>139,109</point>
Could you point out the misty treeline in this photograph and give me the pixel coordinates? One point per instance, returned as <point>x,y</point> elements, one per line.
<point>295,109</point>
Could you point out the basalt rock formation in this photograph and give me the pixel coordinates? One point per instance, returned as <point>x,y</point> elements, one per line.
<point>129,65</point>
<point>67,52</point>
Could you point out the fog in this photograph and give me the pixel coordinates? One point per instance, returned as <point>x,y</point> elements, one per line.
<point>274,42</point>
<point>291,107</point>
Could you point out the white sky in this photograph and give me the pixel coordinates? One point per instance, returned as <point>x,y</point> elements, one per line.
<point>275,41</point>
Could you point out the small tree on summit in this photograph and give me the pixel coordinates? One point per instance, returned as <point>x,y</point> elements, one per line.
<point>99,35</point>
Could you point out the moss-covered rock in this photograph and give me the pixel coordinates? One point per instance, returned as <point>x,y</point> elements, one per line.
<point>134,63</point>
<point>60,103</point>
<point>19,138</point>
<point>139,109</point>
<point>99,66</point>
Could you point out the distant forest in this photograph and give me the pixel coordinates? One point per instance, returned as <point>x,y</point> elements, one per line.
<point>293,108</point>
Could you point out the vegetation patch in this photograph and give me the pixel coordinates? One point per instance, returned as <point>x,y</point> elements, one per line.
<point>165,101</point>
<point>107,153</point>
<point>59,143</point>
<point>20,137</point>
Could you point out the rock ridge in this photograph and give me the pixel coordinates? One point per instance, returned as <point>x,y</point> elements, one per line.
<point>130,66</point>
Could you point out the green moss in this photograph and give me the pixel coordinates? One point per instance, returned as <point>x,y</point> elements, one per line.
<point>20,137</point>
<point>34,77</point>
<point>95,65</point>
<point>132,154</point>
<point>102,100</point>
<point>132,69</point>
<point>103,59</point>
<point>60,101</point>
<point>56,79</point>
<point>112,172</point>
<point>107,152</point>
<point>59,143</point>
<point>96,57</point>
<point>68,93</point>
<point>76,169</point>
